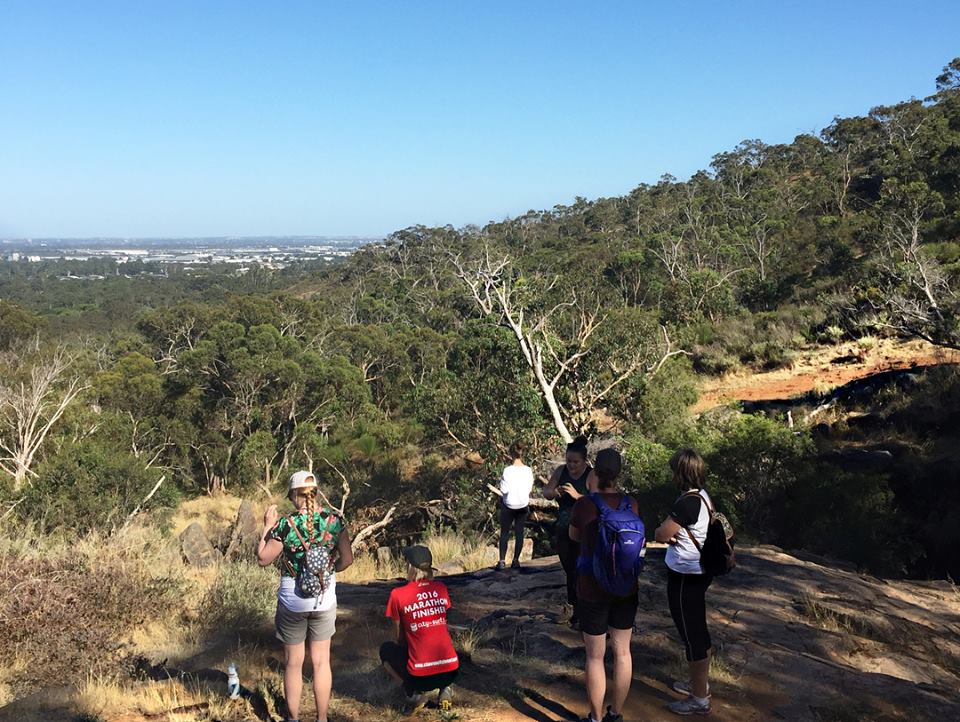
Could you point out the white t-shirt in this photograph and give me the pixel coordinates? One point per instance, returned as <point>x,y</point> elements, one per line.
<point>287,596</point>
<point>684,557</point>
<point>516,485</point>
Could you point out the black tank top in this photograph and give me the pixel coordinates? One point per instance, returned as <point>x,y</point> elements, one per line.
<point>565,501</point>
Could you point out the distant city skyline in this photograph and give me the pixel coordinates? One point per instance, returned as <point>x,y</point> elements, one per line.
<point>244,119</point>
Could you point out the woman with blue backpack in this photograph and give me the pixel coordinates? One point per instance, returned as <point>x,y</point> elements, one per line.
<point>685,531</point>
<point>312,545</point>
<point>607,525</point>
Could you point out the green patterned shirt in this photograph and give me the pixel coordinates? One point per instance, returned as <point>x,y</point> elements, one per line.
<point>327,526</point>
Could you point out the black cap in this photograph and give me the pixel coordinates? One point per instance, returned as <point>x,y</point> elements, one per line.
<point>419,556</point>
<point>608,464</point>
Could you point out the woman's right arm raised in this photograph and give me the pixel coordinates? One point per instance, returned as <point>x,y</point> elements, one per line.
<point>269,549</point>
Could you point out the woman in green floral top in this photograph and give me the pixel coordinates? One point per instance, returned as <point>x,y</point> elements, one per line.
<point>301,617</point>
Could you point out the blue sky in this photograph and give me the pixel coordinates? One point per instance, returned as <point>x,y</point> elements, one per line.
<point>137,118</point>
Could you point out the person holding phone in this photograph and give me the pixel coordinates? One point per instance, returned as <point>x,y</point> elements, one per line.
<point>567,484</point>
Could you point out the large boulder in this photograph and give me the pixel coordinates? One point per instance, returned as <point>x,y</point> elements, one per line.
<point>196,547</point>
<point>245,533</point>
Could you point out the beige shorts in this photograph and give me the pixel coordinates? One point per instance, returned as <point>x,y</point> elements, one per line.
<point>296,627</point>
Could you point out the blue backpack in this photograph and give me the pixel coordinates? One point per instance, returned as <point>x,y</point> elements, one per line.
<point>619,551</point>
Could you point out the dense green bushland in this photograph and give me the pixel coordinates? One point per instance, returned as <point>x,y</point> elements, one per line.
<point>445,343</point>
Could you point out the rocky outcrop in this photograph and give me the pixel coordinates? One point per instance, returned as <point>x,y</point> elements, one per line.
<point>196,547</point>
<point>245,533</point>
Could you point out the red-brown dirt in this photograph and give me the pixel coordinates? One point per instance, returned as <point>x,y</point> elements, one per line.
<point>822,369</point>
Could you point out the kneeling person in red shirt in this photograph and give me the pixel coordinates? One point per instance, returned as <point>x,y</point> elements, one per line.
<point>422,658</point>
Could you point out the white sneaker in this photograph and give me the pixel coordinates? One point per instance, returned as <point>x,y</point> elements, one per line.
<point>686,688</point>
<point>689,706</point>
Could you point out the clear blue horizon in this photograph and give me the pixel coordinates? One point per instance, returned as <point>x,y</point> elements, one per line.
<point>189,119</point>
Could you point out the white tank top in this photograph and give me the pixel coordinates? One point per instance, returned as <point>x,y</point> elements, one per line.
<point>684,557</point>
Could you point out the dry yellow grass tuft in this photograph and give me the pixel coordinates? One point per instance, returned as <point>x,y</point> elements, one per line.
<point>214,513</point>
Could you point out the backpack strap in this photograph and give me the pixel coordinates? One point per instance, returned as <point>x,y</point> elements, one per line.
<point>293,525</point>
<point>709,517</point>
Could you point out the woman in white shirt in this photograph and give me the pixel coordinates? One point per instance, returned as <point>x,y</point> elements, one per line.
<point>516,483</point>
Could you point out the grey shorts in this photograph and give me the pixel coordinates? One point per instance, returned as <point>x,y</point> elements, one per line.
<point>295,627</point>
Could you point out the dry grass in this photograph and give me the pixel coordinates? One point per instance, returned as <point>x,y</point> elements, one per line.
<point>105,586</point>
<point>470,639</point>
<point>108,697</point>
<point>214,513</point>
<point>366,568</point>
<point>447,545</point>
<point>821,616</point>
<point>720,671</point>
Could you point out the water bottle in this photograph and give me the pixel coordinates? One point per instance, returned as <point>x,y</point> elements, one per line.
<point>233,682</point>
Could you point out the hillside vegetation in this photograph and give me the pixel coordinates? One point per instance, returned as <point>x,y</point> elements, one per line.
<point>410,367</point>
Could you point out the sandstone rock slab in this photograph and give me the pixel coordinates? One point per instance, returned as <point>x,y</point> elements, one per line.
<point>196,547</point>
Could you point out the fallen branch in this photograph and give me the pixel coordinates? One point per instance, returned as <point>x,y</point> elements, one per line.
<point>372,528</point>
<point>13,506</point>
<point>346,487</point>
<point>147,498</point>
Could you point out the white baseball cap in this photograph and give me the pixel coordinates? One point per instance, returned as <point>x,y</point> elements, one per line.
<point>301,480</point>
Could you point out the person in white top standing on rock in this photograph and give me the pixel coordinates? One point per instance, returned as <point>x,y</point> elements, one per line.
<point>516,483</point>
<point>685,530</point>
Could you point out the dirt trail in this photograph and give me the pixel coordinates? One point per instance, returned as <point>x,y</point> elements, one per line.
<point>798,640</point>
<point>822,369</point>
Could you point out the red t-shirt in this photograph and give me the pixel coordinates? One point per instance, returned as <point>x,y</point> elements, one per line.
<point>421,608</point>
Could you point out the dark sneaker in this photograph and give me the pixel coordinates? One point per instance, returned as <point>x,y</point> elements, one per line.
<point>415,703</point>
<point>500,566</point>
<point>611,717</point>
<point>690,705</point>
<point>516,564</point>
<point>445,699</point>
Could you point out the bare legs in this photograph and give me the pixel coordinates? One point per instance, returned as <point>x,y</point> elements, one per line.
<point>293,676</point>
<point>699,675</point>
<point>596,646</point>
<point>622,668</point>
<point>322,676</point>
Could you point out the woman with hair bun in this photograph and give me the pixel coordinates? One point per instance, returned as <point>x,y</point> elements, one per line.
<point>567,484</point>
<point>305,620</point>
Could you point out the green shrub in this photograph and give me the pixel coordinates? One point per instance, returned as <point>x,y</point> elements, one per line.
<point>754,460</point>
<point>243,598</point>
<point>89,485</point>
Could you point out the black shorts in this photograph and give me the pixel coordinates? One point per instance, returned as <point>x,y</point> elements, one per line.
<point>611,612</point>
<point>395,655</point>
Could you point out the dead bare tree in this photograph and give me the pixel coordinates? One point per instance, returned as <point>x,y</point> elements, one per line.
<point>553,339</point>
<point>360,536</point>
<point>30,408</point>
<point>920,298</point>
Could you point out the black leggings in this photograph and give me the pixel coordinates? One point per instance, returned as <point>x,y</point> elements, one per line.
<point>569,551</point>
<point>512,518</point>
<point>686,594</point>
